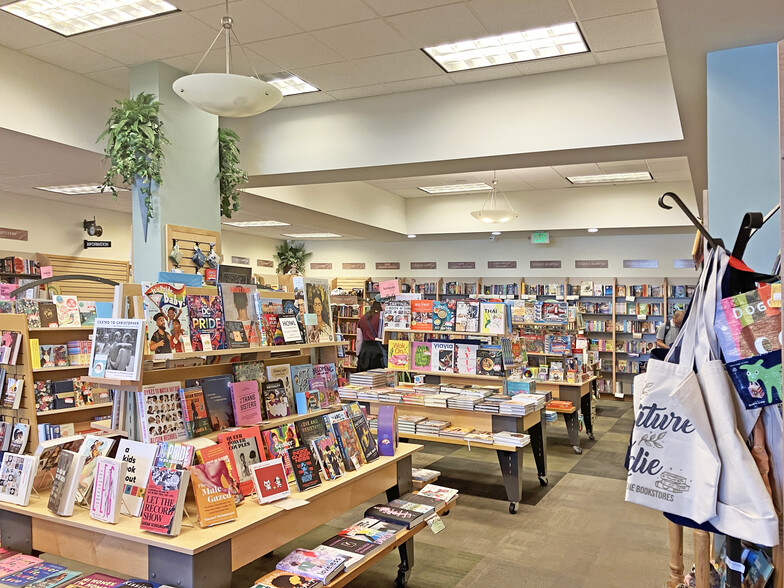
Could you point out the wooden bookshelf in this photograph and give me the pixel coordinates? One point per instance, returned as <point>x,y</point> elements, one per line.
<point>38,330</point>
<point>61,368</point>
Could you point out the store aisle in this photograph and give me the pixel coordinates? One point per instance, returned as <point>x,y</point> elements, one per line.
<point>576,533</point>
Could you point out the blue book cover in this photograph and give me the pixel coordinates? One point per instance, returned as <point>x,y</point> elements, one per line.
<point>33,574</point>
<point>300,377</point>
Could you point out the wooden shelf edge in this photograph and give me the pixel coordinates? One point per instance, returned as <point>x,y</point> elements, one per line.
<point>55,329</point>
<point>244,350</point>
<point>61,368</point>
<point>74,409</point>
<point>454,375</point>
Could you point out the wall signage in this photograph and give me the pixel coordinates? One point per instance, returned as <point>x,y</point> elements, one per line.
<point>640,263</point>
<point>264,263</point>
<point>240,260</point>
<point>354,266</point>
<point>421,265</point>
<point>387,265</point>
<point>461,264</point>
<point>15,234</point>
<point>545,264</point>
<point>591,263</point>
<point>501,264</point>
<point>96,244</point>
<point>323,266</point>
<point>687,263</point>
<point>540,237</point>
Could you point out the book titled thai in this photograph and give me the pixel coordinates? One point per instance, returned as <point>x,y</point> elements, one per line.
<point>312,564</point>
<point>33,574</point>
<point>305,467</point>
<point>278,578</point>
<point>270,480</point>
<point>493,318</point>
<point>397,314</point>
<point>206,316</point>
<point>139,457</point>
<point>160,413</point>
<point>108,489</point>
<point>422,315</point>
<point>399,354</point>
<point>276,401</point>
<point>246,402</point>
<point>117,348</point>
<point>194,411</point>
<point>214,502</point>
<point>16,478</point>
<point>166,315</point>
<point>245,450</point>
<point>67,310</point>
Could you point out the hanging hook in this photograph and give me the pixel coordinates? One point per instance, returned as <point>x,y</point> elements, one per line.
<point>694,220</point>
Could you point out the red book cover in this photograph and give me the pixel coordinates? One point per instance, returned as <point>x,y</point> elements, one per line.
<point>162,508</point>
<point>422,315</point>
<point>97,580</point>
<point>270,481</point>
<point>245,450</point>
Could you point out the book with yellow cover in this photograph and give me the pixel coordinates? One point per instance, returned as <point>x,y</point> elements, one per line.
<point>400,355</point>
<point>214,501</point>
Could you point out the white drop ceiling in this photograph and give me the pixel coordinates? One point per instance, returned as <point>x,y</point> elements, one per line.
<point>352,49</point>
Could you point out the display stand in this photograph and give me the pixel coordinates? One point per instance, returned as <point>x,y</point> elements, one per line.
<point>579,394</point>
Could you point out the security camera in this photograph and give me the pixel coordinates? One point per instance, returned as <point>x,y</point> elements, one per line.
<point>92,228</point>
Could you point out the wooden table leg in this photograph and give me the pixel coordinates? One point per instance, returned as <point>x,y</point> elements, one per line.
<point>676,554</point>
<point>702,558</point>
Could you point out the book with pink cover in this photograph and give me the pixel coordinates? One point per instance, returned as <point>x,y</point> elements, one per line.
<point>246,401</point>
<point>747,325</point>
<point>16,563</point>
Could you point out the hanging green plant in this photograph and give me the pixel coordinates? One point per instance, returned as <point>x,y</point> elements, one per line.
<point>230,174</point>
<point>134,146</point>
<point>291,256</point>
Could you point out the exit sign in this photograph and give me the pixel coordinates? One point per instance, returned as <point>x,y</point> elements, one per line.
<point>540,237</point>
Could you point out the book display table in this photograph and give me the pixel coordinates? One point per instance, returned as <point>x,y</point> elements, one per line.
<point>579,396</point>
<point>510,457</point>
<point>201,558</point>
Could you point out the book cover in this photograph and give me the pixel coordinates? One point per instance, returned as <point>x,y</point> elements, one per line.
<point>273,332</point>
<point>444,315</point>
<point>493,318</point>
<point>108,489</point>
<point>160,412</point>
<point>347,440</point>
<point>225,472</point>
<point>29,308</point>
<point>17,563</point>
<point>369,530</point>
<point>304,466</point>
<point>317,302</point>
<point>245,450</point>
<point>467,316</point>
<point>93,447</point>
<point>58,580</point>
<point>46,353</point>
<point>136,583</point>
<point>48,454</point>
<point>290,329</point>
<point>47,312</point>
<point>757,379</point>
<point>328,455</point>
<point>300,377</point>
<point>67,310</point>
<point>278,441</point>
<point>311,564</point>
<point>310,429</point>
<point>19,436</point>
<point>282,372</point>
<point>747,325</point>
<point>246,403</point>
<point>278,579</point>
<point>239,306</point>
<point>553,312</point>
<point>97,580</point>
<point>214,501</point>
<point>62,493</point>
<point>166,316</point>
<point>60,355</point>
<point>250,370</point>
<point>33,574</point>
<point>270,480</point>
<point>276,401</point>
<point>13,393</point>
<point>117,349</point>
<point>421,355</point>
<point>87,312</point>
<point>206,315</point>
<point>351,545</point>
<point>236,337</point>
<point>328,373</point>
<point>163,500</point>
<point>399,354</point>
<point>16,479</point>
<point>442,356</point>
<point>194,411</point>
<point>366,440</point>
<point>465,358</point>
<point>489,361</point>
<point>422,315</point>
<point>217,397</point>
<point>395,515</point>
<point>397,314</point>
<point>139,457</point>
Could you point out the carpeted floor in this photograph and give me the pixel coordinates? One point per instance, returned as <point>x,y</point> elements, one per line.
<point>575,533</point>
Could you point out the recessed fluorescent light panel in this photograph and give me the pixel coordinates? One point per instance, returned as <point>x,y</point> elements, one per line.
<point>562,39</point>
<point>611,178</point>
<point>79,189</point>
<point>71,17</point>
<point>456,188</point>
<point>312,235</point>
<point>288,83</point>
<point>265,223</point>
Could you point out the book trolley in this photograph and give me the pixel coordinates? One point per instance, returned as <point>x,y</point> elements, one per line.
<point>205,557</point>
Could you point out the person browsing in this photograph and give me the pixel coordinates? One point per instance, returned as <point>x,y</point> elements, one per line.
<point>371,353</point>
<point>668,332</point>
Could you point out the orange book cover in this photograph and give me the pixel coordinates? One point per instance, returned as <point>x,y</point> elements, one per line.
<point>422,315</point>
<point>214,500</point>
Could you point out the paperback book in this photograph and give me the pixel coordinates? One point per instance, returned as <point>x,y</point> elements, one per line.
<point>347,440</point>
<point>328,373</point>
<point>194,412</point>
<point>329,458</point>
<point>66,478</point>
<point>366,439</point>
<point>422,315</point>
<point>276,401</point>
<point>300,377</point>
<point>117,349</point>
<point>444,315</point>
<point>206,316</point>
<point>47,312</point>
<point>139,457</point>
<point>166,315</point>
<point>278,441</point>
<point>304,466</point>
<point>493,318</point>
<point>245,450</point>
<point>224,473</point>
<point>16,479</point>
<point>29,308</point>
<point>312,564</point>
<point>93,447</point>
<point>108,489</point>
<point>397,314</point>
<point>239,307</point>
<point>214,502</point>
<point>467,316</point>
<point>164,496</point>
<point>421,355</point>
<point>31,575</point>
<point>399,357</point>
<point>442,358</point>
<point>87,313</point>
<point>282,372</point>
<point>67,311</point>
<point>161,413</point>
<point>246,402</point>
<point>217,397</point>
<point>251,370</point>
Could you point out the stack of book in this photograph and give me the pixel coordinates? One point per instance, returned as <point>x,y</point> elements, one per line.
<point>432,427</point>
<point>550,416</point>
<point>390,396</point>
<point>463,401</point>
<point>372,378</point>
<point>517,406</point>
<point>437,400</point>
<point>427,388</point>
<point>369,393</point>
<point>559,405</point>
<point>408,423</point>
<point>546,394</point>
<point>350,391</point>
<point>438,492</point>
<point>484,437</point>
<point>414,398</point>
<point>511,438</point>
<point>456,432</point>
<point>538,400</point>
<point>486,406</point>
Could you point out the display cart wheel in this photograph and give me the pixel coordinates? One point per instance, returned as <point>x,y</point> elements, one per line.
<point>513,508</point>
<point>543,481</point>
<point>577,449</point>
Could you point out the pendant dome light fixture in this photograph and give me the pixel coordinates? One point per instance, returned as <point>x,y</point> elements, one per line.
<point>492,211</point>
<point>227,94</point>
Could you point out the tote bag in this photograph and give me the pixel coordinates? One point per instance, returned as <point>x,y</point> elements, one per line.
<point>744,509</point>
<point>673,459</point>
